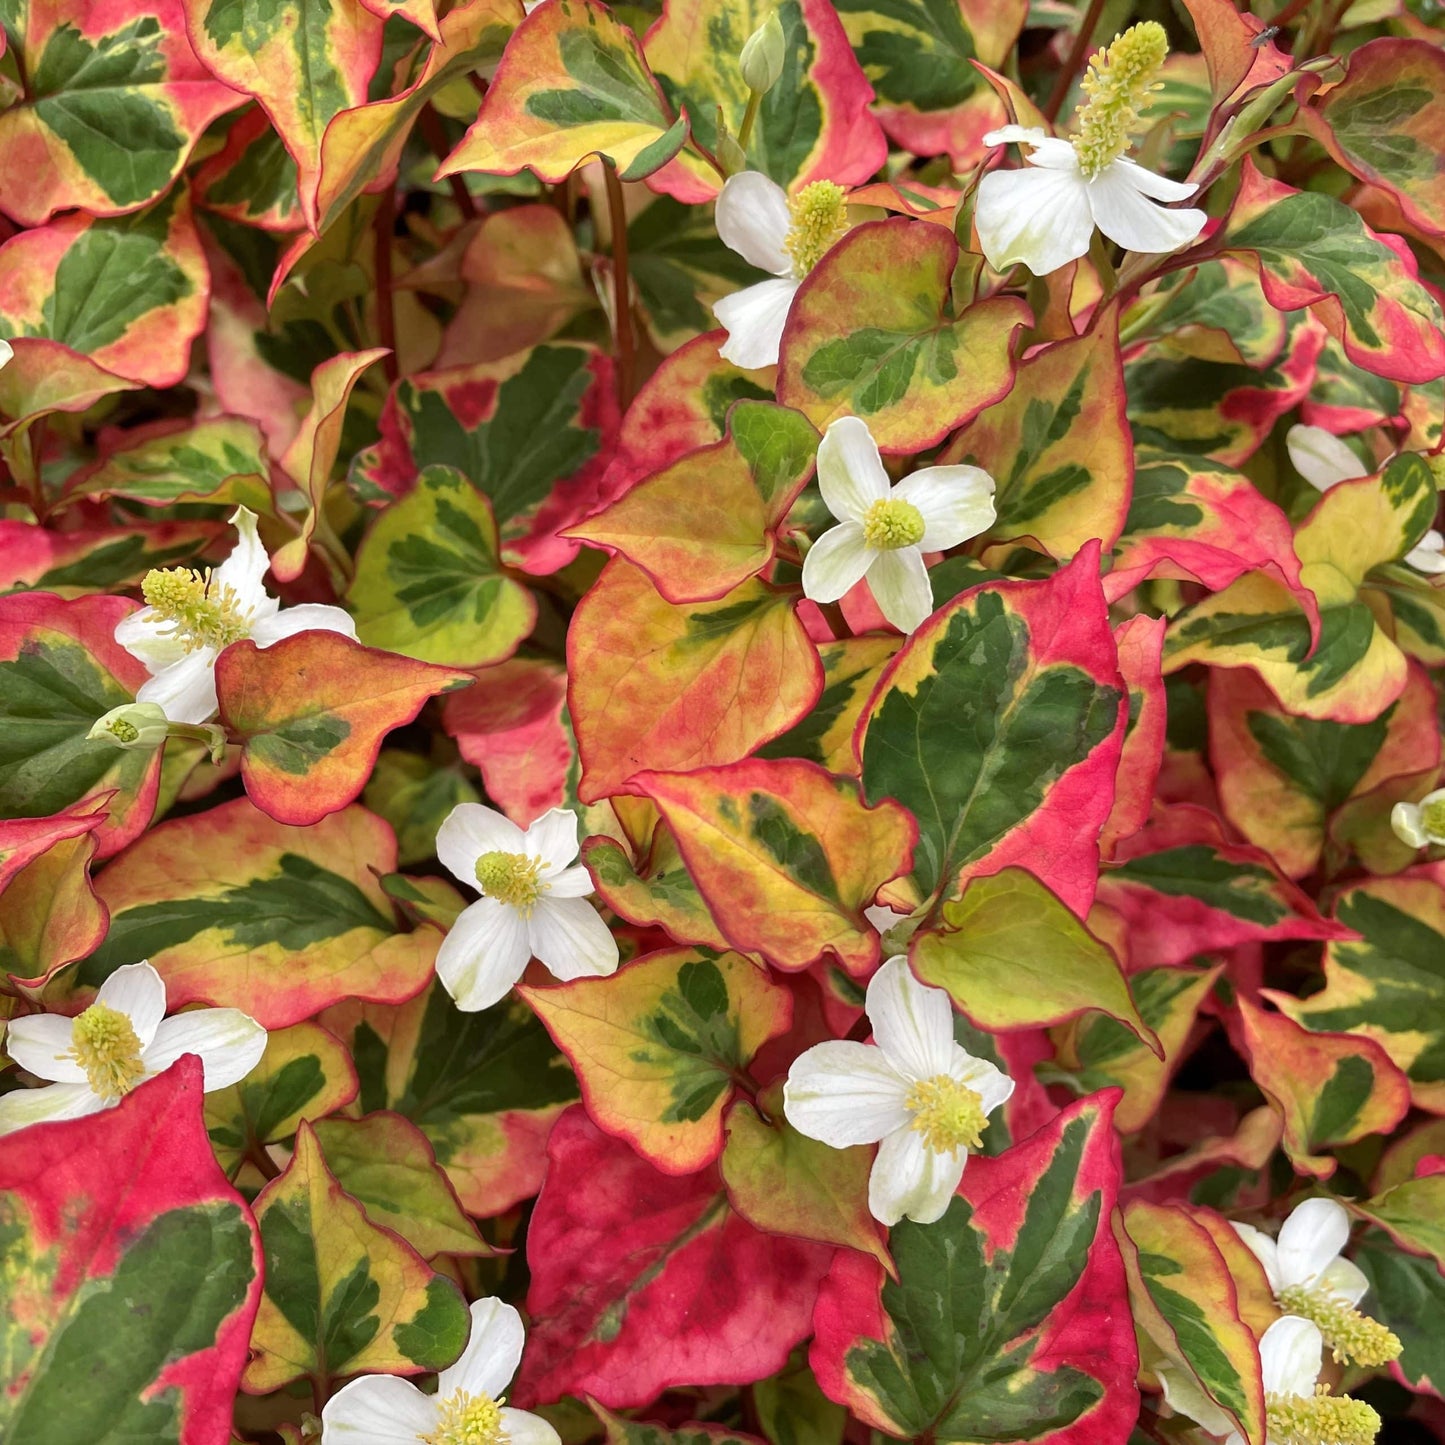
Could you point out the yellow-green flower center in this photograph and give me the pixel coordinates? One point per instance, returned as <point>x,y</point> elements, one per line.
<point>1119,81</point>
<point>511,878</point>
<point>1351,1335</point>
<point>820,220</point>
<point>1432,818</point>
<point>892,523</point>
<point>104,1044</point>
<point>202,612</point>
<point>1319,1419</point>
<point>464,1419</point>
<point>122,729</point>
<point>949,1115</point>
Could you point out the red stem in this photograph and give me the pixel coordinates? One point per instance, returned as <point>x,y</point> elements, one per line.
<point>434,134</point>
<point>1065,77</point>
<point>621,288</point>
<point>385,224</point>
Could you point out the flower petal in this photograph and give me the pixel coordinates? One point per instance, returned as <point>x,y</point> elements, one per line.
<point>1405,820</point>
<point>1126,215</point>
<point>151,638</point>
<point>305,617</point>
<point>519,1427</point>
<point>1037,215</point>
<point>470,830</point>
<point>1429,555</point>
<point>1152,184</point>
<point>493,1352</point>
<point>912,1023</point>
<point>753,219</point>
<point>378,1410</point>
<point>553,839</point>
<point>483,954</point>
<point>571,883</point>
<point>900,586</point>
<point>21,1108</point>
<point>186,690</point>
<point>1321,458</point>
<point>1310,1239</point>
<point>956,503</point>
<point>228,1043</point>
<point>41,1043</point>
<point>1343,1277</point>
<point>139,992</point>
<point>1185,1397</point>
<point>909,1180</point>
<point>1264,1249</point>
<point>569,936</point>
<point>244,570</point>
<point>1289,1356</point>
<point>845,1093</point>
<point>990,1083</point>
<point>754,319</point>
<point>851,475</point>
<point>836,562</point>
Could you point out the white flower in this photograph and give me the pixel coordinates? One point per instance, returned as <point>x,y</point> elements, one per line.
<point>1420,823</point>
<point>191,616</point>
<point>915,1092</point>
<point>467,1408</point>
<point>788,238</point>
<point>1310,1279</point>
<point>1324,461</point>
<point>121,1040</point>
<point>6,352</point>
<point>885,530</point>
<point>534,903</point>
<point>1044,215</point>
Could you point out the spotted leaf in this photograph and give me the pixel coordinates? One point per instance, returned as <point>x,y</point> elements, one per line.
<point>342,1296</point>
<point>873,333</point>
<point>1008,1320</point>
<point>657,1046</point>
<point>132,1275</point>
<point>999,726</point>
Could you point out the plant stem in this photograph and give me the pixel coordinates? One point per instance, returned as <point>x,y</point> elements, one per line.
<point>429,123</point>
<point>621,287</point>
<point>385,226</point>
<point>837,623</point>
<point>1065,77</point>
<point>745,130</point>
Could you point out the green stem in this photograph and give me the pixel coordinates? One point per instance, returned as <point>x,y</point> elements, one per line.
<point>755,100</point>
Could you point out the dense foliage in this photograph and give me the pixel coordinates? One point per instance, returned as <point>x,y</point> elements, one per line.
<point>628,636</point>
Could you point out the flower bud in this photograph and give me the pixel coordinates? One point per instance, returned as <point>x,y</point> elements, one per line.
<point>763,55</point>
<point>133,725</point>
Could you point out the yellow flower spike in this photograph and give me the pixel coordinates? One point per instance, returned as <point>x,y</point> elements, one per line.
<point>464,1419</point>
<point>893,523</point>
<point>1352,1336</point>
<point>511,878</point>
<point>820,220</point>
<point>202,613</point>
<point>948,1114</point>
<point>1119,81</point>
<point>1320,1419</point>
<point>104,1044</point>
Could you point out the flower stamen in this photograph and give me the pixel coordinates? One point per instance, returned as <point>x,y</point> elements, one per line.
<point>948,1114</point>
<point>201,611</point>
<point>464,1419</point>
<point>1119,81</point>
<point>1351,1335</point>
<point>511,878</point>
<point>1432,817</point>
<point>104,1043</point>
<point>892,523</point>
<point>820,220</point>
<point>1320,1419</point>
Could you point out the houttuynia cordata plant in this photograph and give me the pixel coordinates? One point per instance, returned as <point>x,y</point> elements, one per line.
<point>720,722</point>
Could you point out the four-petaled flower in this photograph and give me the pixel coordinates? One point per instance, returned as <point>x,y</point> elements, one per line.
<point>1044,215</point>
<point>1311,1279</point>
<point>756,219</point>
<point>467,1408</point>
<point>884,530</point>
<point>1324,461</point>
<point>533,902</point>
<point>924,1099</point>
<point>190,616</point>
<point>121,1040</point>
